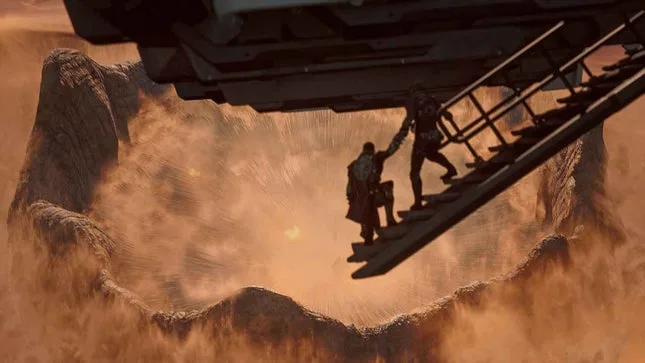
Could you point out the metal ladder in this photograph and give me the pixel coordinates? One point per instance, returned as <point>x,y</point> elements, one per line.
<point>549,132</point>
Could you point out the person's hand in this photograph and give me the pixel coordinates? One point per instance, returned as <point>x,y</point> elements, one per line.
<point>448,116</point>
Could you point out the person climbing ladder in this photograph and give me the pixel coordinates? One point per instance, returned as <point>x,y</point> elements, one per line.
<point>427,140</point>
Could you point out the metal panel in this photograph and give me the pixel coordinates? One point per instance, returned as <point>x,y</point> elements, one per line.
<point>552,4</point>
<point>90,25</point>
<point>226,7</point>
<point>439,48</point>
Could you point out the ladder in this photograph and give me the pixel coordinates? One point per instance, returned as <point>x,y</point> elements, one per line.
<point>518,154</point>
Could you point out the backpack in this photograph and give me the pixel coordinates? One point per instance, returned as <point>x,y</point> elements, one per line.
<point>359,188</point>
<point>362,176</point>
<point>363,168</point>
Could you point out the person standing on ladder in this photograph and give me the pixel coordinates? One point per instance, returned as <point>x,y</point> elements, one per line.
<point>427,140</point>
<point>365,191</point>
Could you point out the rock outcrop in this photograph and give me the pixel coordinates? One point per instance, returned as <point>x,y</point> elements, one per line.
<point>82,114</point>
<point>573,189</point>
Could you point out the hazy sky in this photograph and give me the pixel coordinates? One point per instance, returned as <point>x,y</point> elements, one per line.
<point>43,15</point>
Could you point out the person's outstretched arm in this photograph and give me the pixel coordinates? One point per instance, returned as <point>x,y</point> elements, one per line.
<point>398,139</point>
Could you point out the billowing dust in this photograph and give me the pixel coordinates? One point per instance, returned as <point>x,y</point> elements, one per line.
<point>207,200</point>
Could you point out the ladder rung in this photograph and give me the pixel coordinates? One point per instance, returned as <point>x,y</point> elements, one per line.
<point>554,122</point>
<point>390,233</point>
<point>613,77</point>
<point>363,252</point>
<point>355,258</point>
<point>521,141</point>
<point>524,131</point>
<point>638,58</point>
<point>633,51</point>
<point>475,163</point>
<point>497,162</point>
<point>498,148</point>
<point>468,179</point>
<point>361,246</point>
<point>563,113</point>
<point>529,131</point>
<point>527,140</point>
<point>582,102</point>
<point>539,131</point>
<point>414,215</point>
<point>445,197</point>
<point>588,94</point>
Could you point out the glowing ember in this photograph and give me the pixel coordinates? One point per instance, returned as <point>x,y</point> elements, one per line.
<point>194,173</point>
<point>292,233</point>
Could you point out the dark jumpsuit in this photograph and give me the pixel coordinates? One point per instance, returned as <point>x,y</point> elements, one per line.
<point>380,194</point>
<point>383,194</point>
<point>427,139</point>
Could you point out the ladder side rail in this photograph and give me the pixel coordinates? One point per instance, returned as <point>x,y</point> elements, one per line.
<point>630,25</point>
<point>468,92</point>
<point>473,86</point>
<point>489,123</point>
<point>614,101</point>
<point>456,138</point>
<point>530,91</point>
<point>490,74</point>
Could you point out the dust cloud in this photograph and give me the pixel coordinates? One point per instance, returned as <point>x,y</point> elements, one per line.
<point>27,35</point>
<point>28,32</point>
<point>207,200</point>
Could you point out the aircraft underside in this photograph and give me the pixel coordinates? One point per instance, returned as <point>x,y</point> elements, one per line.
<point>288,55</point>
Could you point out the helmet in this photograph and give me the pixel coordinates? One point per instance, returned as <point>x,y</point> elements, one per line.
<point>369,147</point>
<point>417,87</point>
<point>418,94</point>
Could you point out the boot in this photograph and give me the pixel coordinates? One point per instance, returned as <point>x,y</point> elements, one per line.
<point>368,238</point>
<point>449,174</point>
<point>389,213</point>
<point>417,188</point>
<point>416,206</point>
